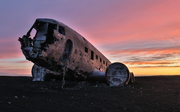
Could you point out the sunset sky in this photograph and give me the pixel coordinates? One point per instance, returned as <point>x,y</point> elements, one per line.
<point>143,34</point>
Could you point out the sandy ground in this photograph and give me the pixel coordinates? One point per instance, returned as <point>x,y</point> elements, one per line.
<point>155,93</point>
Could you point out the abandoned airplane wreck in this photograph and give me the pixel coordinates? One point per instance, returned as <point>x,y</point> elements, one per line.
<point>58,50</point>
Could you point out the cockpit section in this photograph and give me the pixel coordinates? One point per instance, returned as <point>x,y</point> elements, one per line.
<point>32,47</point>
<point>44,35</point>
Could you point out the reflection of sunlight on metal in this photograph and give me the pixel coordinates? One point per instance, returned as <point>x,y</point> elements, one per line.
<point>38,73</point>
<point>57,49</point>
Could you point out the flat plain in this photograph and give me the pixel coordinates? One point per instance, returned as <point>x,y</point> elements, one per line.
<point>148,93</point>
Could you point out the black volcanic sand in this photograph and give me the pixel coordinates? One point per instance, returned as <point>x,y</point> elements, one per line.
<point>155,93</point>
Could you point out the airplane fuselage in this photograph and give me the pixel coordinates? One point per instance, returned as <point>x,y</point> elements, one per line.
<point>58,49</point>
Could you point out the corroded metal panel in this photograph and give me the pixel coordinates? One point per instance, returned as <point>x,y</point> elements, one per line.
<point>58,49</point>
<point>117,74</point>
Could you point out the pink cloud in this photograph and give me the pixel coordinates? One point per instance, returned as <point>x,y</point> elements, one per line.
<point>147,21</point>
<point>11,71</point>
<point>10,48</point>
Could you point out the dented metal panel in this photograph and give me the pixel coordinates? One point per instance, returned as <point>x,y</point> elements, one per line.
<point>59,49</point>
<point>117,74</point>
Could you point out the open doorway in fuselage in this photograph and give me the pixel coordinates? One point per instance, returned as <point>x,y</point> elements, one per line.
<point>68,50</point>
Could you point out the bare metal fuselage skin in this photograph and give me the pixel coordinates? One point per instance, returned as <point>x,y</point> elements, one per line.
<point>55,45</point>
<point>57,49</point>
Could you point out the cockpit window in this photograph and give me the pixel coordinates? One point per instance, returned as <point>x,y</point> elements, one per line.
<point>44,34</point>
<point>61,30</point>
